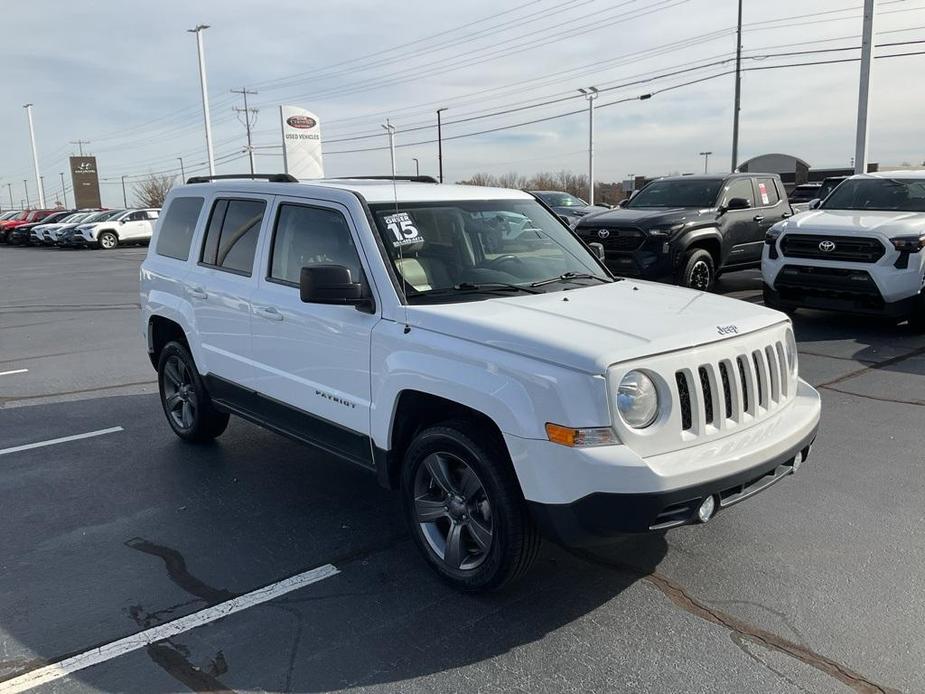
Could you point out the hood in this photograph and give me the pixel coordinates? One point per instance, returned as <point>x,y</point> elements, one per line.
<point>580,211</point>
<point>885,224</point>
<point>589,329</point>
<point>647,217</point>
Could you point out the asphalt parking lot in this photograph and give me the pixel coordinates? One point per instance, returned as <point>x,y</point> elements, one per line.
<point>813,586</point>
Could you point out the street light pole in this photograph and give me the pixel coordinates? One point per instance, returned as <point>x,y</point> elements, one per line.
<point>867,45</point>
<point>124,198</point>
<point>738,94</point>
<point>198,29</point>
<point>35,156</point>
<point>182,172</point>
<point>417,166</point>
<point>590,94</point>
<point>706,161</point>
<point>63,189</point>
<point>440,143</point>
<point>42,188</point>
<point>9,188</point>
<point>25,185</point>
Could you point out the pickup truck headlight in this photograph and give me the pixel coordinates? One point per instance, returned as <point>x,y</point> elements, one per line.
<point>908,244</point>
<point>637,400</point>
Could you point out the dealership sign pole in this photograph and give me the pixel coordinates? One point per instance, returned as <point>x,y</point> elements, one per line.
<point>301,131</point>
<point>861,148</point>
<point>198,29</point>
<point>35,157</point>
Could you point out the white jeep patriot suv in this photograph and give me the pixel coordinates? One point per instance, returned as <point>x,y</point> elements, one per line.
<point>506,384</point>
<point>860,250</point>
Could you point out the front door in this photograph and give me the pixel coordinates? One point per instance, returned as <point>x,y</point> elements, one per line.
<point>313,357</point>
<point>743,237</point>
<point>132,226</point>
<point>221,284</point>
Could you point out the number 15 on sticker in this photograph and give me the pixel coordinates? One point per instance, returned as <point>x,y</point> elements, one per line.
<point>402,229</point>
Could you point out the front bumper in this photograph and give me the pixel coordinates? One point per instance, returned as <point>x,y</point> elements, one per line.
<point>579,496</point>
<point>870,304</point>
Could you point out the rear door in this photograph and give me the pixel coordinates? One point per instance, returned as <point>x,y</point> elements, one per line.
<point>314,357</point>
<point>222,282</point>
<point>770,208</point>
<point>739,226</point>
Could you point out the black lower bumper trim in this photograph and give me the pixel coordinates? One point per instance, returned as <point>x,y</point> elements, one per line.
<point>596,517</point>
<point>842,303</point>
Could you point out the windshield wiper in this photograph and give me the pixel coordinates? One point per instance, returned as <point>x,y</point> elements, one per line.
<point>474,288</point>
<point>565,277</point>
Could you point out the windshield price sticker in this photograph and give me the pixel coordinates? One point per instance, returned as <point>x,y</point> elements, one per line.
<point>403,230</point>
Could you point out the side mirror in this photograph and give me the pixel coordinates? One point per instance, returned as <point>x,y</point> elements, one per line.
<point>565,220</point>
<point>331,284</point>
<point>814,203</point>
<point>623,202</point>
<point>122,221</point>
<point>598,249</point>
<point>738,204</point>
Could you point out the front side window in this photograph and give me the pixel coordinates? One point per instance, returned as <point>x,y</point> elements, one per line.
<point>447,250</point>
<point>739,188</point>
<point>231,238</point>
<point>893,194</point>
<point>311,236</point>
<point>695,193</point>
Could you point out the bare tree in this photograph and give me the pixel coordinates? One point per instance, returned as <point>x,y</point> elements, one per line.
<point>151,191</point>
<point>512,180</point>
<point>481,179</point>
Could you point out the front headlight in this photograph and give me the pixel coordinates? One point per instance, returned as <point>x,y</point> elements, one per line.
<point>665,230</point>
<point>791,348</point>
<point>637,400</point>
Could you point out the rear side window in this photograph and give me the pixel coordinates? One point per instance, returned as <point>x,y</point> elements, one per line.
<point>311,236</point>
<point>767,192</point>
<point>231,238</point>
<point>176,233</point>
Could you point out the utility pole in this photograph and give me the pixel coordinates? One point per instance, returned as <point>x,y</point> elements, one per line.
<point>738,97</point>
<point>35,156</point>
<point>63,189</point>
<point>247,121</point>
<point>42,188</point>
<point>590,94</point>
<point>9,188</point>
<point>198,29</point>
<point>417,166</point>
<point>124,198</point>
<point>706,161</point>
<point>25,185</point>
<point>867,46</point>
<point>80,145</point>
<point>440,144</point>
<point>182,172</point>
<point>390,129</point>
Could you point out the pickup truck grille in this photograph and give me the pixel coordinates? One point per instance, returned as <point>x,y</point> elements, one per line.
<point>618,239</point>
<point>715,390</point>
<point>850,248</point>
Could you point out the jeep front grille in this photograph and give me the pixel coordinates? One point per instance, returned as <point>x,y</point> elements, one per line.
<point>847,248</point>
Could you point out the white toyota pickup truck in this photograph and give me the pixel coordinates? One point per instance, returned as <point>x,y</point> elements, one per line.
<point>508,386</point>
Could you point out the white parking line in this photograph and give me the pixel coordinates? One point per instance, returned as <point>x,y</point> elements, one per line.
<point>63,439</point>
<point>15,371</point>
<point>114,649</point>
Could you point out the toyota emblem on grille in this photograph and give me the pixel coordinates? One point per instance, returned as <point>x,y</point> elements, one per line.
<point>603,233</point>
<point>827,246</point>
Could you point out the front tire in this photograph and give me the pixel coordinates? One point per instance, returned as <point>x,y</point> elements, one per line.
<point>465,508</point>
<point>697,270</point>
<point>187,406</point>
<point>108,240</point>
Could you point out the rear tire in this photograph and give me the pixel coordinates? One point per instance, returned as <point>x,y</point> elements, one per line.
<point>187,406</point>
<point>465,509</point>
<point>108,240</point>
<point>697,270</point>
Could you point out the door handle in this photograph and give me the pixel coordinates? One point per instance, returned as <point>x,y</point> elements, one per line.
<point>758,218</point>
<point>268,312</point>
<point>198,293</point>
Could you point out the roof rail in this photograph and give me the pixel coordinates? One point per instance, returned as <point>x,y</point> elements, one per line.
<point>272,178</point>
<point>411,179</point>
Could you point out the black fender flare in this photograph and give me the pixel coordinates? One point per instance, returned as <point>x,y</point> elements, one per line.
<point>711,234</point>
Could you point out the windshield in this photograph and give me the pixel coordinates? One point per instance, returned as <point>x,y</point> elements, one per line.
<point>561,199</point>
<point>73,218</point>
<point>903,195</point>
<point>437,247</point>
<point>7,215</point>
<point>103,216</point>
<point>697,193</point>
<point>805,193</point>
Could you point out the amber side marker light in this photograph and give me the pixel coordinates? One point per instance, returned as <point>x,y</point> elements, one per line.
<point>581,438</point>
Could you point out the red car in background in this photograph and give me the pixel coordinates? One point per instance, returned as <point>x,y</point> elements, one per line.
<point>24,217</point>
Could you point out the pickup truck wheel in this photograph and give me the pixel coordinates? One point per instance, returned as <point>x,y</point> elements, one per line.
<point>184,398</point>
<point>465,508</point>
<point>697,270</point>
<point>108,240</point>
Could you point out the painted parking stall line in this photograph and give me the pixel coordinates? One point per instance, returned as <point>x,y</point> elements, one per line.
<point>13,372</point>
<point>63,439</point>
<point>114,649</point>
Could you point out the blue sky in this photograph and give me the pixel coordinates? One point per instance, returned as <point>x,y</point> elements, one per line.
<point>123,75</point>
